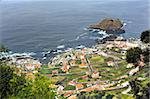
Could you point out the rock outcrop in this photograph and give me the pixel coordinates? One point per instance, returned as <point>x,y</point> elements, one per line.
<point>109,25</point>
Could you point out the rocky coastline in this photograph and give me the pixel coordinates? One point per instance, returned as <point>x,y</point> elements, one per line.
<point>102,67</point>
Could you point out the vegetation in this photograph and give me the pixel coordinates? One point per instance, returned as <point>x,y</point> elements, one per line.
<point>99,59</point>
<point>45,71</point>
<point>140,90</point>
<point>115,49</point>
<point>82,80</point>
<point>133,55</point>
<point>109,59</point>
<point>146,55</point>
<point>17,86</point>
<point>91,95</point>
<point>78,62</point>
<point>3,48</point>
<point>145,36</point>
<point>6,74</point>
<point>70,87</point>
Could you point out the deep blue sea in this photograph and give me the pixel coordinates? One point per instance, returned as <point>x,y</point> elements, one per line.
<point>40,25</point>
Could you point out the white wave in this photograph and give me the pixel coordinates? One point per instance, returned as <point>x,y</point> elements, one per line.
<point>102,32</point>
<point>100,38</point>
<point>129,22</point>
<point>85,29</point>
<point>83,34</point>
<point>94,38</point>
<point>68,49</point>
<point>43,53</point>
<point>24,54</point>
<point>80,47</point>
<point>28,54</point>
<point>10,52</point>
<point>105,36</point>
<point>84,37</point>
<point>124,24</point>
<point>31,53</point>
<point>95,30</point>
<point>59,51</point>
<point>62,40</point>
<point>78,37</point>
<point>61,46</point>
<point>71,40</point>
<point>44,58</point>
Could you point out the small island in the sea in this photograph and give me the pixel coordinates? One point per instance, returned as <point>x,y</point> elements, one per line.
<point>109,25</point>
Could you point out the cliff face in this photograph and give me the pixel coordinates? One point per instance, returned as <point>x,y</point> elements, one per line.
<point>109,25</point>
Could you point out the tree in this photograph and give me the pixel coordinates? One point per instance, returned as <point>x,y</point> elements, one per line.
<point>10,83</point>
<point>40,87</point>
<point>37,88</point>
<point>133,55</point>
<point>17,86</point>
<point>145,36</point>
<point>140,90</point>
<point>3,48</point>
<point>17,83</point>
<point>146,55</point>
<point>6,74</point>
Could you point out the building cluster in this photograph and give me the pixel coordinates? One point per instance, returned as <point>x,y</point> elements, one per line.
<point>123,44</point>
<point>22,62</point>
<point>72,58</point>
<point>80,58</point>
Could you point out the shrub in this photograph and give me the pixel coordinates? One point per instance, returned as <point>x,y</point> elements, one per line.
<point>3,48</point>
<point>133,55</point>
<point>69,87</point>
<point>146,55</point>
<point>78,62</point>
<point>145,36</point>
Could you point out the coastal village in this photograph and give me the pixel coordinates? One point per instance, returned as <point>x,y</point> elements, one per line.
<point>74,49</point>
<point>102,67</point>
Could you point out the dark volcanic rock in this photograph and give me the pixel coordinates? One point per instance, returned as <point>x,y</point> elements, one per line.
<point>109,38</point>
<point>109,25</point>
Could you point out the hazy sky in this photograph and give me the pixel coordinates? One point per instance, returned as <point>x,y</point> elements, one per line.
<point>66,0</point>
<point>39,0</point>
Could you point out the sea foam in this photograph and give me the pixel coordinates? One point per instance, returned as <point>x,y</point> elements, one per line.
<point>61,46</point>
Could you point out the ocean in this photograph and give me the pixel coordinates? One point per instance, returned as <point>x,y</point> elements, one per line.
<point>41,25</point>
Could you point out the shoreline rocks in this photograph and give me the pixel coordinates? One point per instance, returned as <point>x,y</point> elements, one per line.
<point>109,38</point>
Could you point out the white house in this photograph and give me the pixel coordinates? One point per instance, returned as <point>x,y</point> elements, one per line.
<point>133,71</point>
<point>130,65</point>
